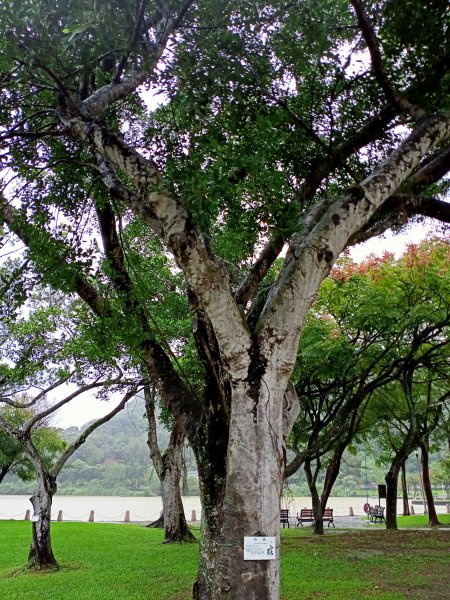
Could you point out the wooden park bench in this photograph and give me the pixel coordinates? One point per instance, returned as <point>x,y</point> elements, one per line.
<point>376,513</point>
<point>284,517</point>
<point>306,515</point>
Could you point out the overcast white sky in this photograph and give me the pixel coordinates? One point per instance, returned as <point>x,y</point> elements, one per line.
<point>87,407</point>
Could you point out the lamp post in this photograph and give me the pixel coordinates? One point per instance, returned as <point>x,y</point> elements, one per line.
<point>367,481</point>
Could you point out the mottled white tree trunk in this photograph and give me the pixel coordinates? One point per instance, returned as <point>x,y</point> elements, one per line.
<point>251,505</point>
<point>175,525</point>
<point>41,554</point>
<point>169,468</point>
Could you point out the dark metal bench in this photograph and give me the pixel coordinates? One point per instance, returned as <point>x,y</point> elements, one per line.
<point>284,517</point>
<point>328,516</point>
<point>376,513</point>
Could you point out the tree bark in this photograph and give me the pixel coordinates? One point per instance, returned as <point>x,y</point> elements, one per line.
<point>169,468</point>
<point>41,554</point>
<point>433,520</point>
<point>175,525</point>
<point>251,502</point>
<point>406,511</point>
<point>331,475</point>
<point>159,523</point>
<point>391,479</point>
<point>315,498</point>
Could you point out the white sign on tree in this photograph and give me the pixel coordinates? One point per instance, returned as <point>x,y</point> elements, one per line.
<point>259,548</point>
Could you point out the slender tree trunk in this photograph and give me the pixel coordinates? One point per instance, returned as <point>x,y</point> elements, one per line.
<point>391,479</point>
<point>41,554</point>
<point>175,525</point>
<point>433,520</point>
<point>169,467</point>
<point>330,477</point>
<point>316,504</point>
<point>406,511</point>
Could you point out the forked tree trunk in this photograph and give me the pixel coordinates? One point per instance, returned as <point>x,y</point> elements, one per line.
<point>41,554</point>
<point>406,511</point>
<point>175,525</point>
<point>433,520</point>
<point>169,468</point>
<point>255,363</point>
<point>315,498</point>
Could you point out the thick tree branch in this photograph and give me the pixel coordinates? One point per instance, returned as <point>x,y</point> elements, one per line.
<point>259,269</point>
<point>119,190</point>
<point>312,260</point>
<point>431,172</point>
<point>323,166</point>
<point>397,210</point>
<point>184,405</point>
<point>154,203</point>
<point>157,360</point>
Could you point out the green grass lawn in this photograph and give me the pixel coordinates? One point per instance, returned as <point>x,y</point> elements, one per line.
<point>415,521</point>
<point>422,521</point>
<point>115,562</point>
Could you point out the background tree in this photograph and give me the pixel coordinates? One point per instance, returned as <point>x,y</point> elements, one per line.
<point>272,135</point>
<point>169,468</point>
<point>45,351</point>
<point>41,553</point>
<point>370,324</point>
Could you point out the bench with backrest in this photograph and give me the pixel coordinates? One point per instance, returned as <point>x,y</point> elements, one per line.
<point>376,513</point>
<point>284,517</point>
<point>306,515</point>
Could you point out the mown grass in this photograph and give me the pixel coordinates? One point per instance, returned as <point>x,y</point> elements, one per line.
<point>118,562</point>
<point>422,521</point>
<point>414,522</point>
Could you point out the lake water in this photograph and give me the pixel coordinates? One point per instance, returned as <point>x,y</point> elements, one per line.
<point>113,508</point>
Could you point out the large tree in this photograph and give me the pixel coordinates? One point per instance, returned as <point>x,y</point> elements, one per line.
<point>277,131</point>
